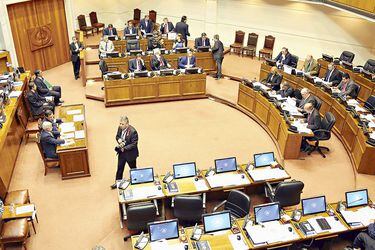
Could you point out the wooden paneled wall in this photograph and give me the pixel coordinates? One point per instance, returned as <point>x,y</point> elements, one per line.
<point>366,5</point>
<point>40,33</point>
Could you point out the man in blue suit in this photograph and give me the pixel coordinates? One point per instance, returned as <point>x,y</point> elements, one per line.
<point>130,29</point>
<point>110,31</point>
<point>187,61</point>
<point>284,57</point>
<point>202,41</point>
<point>146,25</point>
<point>137,64</point>
<point>48,141</point>
<point>166,26</point>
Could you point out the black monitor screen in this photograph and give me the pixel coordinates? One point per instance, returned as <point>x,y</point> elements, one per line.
<point>267,212</point>
<point>356,198</point>
<point>163,230</point>
<point>216,221</point>
<point>313,205</point>
<point>264,159</point>
<point>143,175</point>
<point>184,170</point>
<point>225,165</point>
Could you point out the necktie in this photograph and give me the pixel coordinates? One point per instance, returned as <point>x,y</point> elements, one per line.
<point>203,42</point>
<point>161,61</point>
<point>343,87</point>
<point>106,46</point>
<point>166,28</point>
<point>110,32</point>
<point>188,61</point>
<point>329,75</point>
<point>308,67</point>
<point>138,68</point>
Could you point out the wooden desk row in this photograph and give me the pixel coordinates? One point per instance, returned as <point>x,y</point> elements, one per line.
<point>154,89</point>
<point>367,86</point>
<point>204,60</point>
<point>346,127</point>
<point>120,45</point>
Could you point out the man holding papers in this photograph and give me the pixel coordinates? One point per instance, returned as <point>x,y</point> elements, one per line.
<point>48,141</point>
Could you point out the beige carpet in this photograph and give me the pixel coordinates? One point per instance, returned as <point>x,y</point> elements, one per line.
<point>80,213</point>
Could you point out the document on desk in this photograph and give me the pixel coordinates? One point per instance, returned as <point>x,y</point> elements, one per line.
<point>200,185</point>
<point>17,84</point>
<point>25,209</point>
<point>15,94</point>
<point>336,226</point>
<point>163,245</point>
<point>271,232</point>
<point>367,214</point>
<point>67,136</point>
<point>277,96</point>
<point>68,142</point>
<point>261,85</point>
<point>223,180</point>
<point>78,118</point>
<point>267,173</point>
<point>237,244</point>
<point>67,127</point>
<point>352,102</point>
<point>301,127</point>
<point>145,192</point>
<point>80,134</point>
<point>74,112</point>
<point>372,135</point>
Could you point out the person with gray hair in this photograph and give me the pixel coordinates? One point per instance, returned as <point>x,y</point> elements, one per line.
<point>48,141</point>
<point>307,97</point>
<point>105,46</point>
<point>158,62</point>
<point>127,148</point>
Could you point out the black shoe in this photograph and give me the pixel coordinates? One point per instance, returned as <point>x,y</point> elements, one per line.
<point>114,186</point>
<point>76,77</point>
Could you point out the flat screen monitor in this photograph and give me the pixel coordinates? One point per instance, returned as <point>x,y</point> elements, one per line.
<point>191,70</point>
<point>134,52</point>
<point>112,54</point>
<point>112,38</point>
<point>184,170</point>
<point>225,165</point>
<point>356,198</point>
<point>142,175</point>
<point>181,50</point>
<point>149,35</point>
<point>216,222</point>
<point>314,205</point>
<point>263,159</point>
<point>130,36</point>
<point>114,76</point>
<point>270,62</point>
<point>203,48</point>
<point>163,230</point>
<point>166,72</point>
<point>267,212</point>
<point>141,73</point>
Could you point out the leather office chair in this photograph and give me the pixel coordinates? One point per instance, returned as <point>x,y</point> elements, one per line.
<point>355,93</point>
<point>30,127</point>
<point>152,15</point>
<point>237,46</point>
<point>188,208</point>
<point>136,16</point>
<point>347,56</point>
<point>323,134</point>
<point>294,61</point>
<point>83,26</point>
<point>48,162</point>
<point>287,193</point>
<point>297,94</point>
<point>251,47</point>
<point>370,66</point>
<point>238,203</point>
<point>14,231</point>
<point>132,45</point>
<point>370,103</point>
<point>138,215</point>
<point>94,22</point>
<point>318,103</point>
<point>267,51</point>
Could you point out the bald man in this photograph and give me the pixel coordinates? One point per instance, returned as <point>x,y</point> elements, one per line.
<point>310,66</point>
<point>307,97</point>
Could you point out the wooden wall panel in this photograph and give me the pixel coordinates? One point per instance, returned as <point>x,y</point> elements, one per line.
<point>35,14</point>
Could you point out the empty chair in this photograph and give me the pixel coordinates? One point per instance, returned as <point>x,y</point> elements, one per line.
<point>14,231</point>
<point>297,94</point>
<point>83,26</point>
<point>267,51</point>
<point>31,127</point>
<point>251,47</point>
<point>237,46</point>
<point>103,67</point>
<point>347,56</point>
<point>138,215</point>
<point>323,134</point>
<point>294,61</point>
<point>287,193</point>
<point>152,15</point>
<point>136,16</point>
<point>94,22</point>
<point>132,45</point>
<point>238,203</point>
<point>370,103</point>
<point>18,197</point>
<point>370,66</point>
<point>188,208</point>
<point>318,103</point>
<point>355,93</point>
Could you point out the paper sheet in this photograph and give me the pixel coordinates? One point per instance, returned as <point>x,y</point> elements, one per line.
<point>267,173</point>
<point>15,94</point>
<point>163,245</point>
<point>78,118</point>
<point>67,127</point>
<point>80,134</point>
<point>336,226</point>
<point>73,112</point>
<point>271,232</point>
<point>237,244</point>
<point>200,185</point>
<point>25,209</point>
<point>17,84</point>
<point>67,136</point>
<point>223,180</point>
<point>68,143</point>
<point>145,192</point>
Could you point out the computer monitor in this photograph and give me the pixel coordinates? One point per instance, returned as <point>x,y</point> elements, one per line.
<point>356,198</point>
<point>267,212</point>
<point>314,205</point>
<point>263,159</point>
<point>163,230</point>
<point>191,70</point>
<point>166,72</point>
<point>270,62</point>
<point>142,175</point>
<point>225,165</point>
<point>216,221</point>
<point>112,54</point>
<point>114,76</point>
<point>141,73</point>
<point>112,38</point>
<point>130,36</point>
<point>184,170</point>
<point>203,48</point>
<point>148,35</point>
<point>135,52</point>
<point>182,50</point>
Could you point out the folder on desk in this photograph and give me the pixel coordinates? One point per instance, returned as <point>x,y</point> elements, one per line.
<point>203,245</point>
<point>172,187</point>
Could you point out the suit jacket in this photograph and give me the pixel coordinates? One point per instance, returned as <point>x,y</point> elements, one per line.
<point>178,44</point>
<point>274,80</point>
<point>310,99</point>
<point>350,89</point>
<point>127,30</point>
<point>150,44</point>
<point>314,121</point>
<point>183,62</point>
<point>49,144</point>
<point>149,28</point>
<point>286,61</point>
<point>183,29</point>
<point>199,42</point>
<point>335,77</point>
<point>133,65</point>
<point>170,27</point>
<point>156,64</point>
<point>218,50</point>
<point>36,102</point>
<point>311,68</point>
<point>41,86</point>
<point>106,32</point>
<point>286,93</point>
<point>131,143</point>
<point>55,127</point>
<point>74,51</point>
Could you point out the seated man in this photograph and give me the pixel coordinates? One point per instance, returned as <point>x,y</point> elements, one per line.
<point>314,122</point>
<point>130,29</point>
<point>166,26</point>
<point>105,46</point>
<point>158,62</point>
<point>179,42</point>
<point>347,87</point>
<point>38,104</point>
<point>273,79</point>
<point>333,75</point>
<point>310,66</point>
<point>284,57</point>
<point>110,31</point>
<point>155,42</point>
<point>202,41</point>
<point>286,90</point>
<point>137,64</point>
<point>49,117</point>
<point>146,25</point>
<point>307,97</point>
<point>187,61</point>
<point>364,240</point>
<point>44,88</point>
<point>48,141</point>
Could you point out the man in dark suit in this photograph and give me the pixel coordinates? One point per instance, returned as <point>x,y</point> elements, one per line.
<point>347,87</point>
<point>44,90</point>
<point>166,26</point>
<point>38,104</point>
<point>187,61</point>
<point>110,31</point>
<point>286,90</point>
<point>284,57</point>
<point>333,75</point>
<point>75,48</point>
<point>273,79</point>
<point>202,41</point>
<point>137,64</point>
<point>130,29</point>
<point>314,122</point>
<point>158,62</point>
<point>218,54</point>
<point>49,117</point>
<point>183,29</point>
<point>307,97</point>
<point>127,148</point>
<point>48,141</point>
<point>146,25</point>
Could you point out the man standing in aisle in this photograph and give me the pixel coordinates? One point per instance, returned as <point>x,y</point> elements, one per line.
<point>127,148</point>
<point>218,53</point>
<point>183,29</point>
<point>75,48</point>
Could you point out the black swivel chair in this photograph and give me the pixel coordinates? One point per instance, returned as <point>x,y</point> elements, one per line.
<point>323,134</point>
<point>370,104</point>
<point>294,61</point>
<point>355,93</point>
<point>287,193</point>
<point>103,67</point>
<point>297,94</point>
<point>188,208</point>
<point>347,56</point>
<point>132,45</point>
<point>370,66</point>
<point>238,203</point>
<point>318,103</point>
<point>138,215</point>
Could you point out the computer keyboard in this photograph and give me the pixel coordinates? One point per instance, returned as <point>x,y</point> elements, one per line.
<point>322,222</point>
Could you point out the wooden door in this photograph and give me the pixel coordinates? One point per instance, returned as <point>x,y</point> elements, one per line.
<point>40,33</point>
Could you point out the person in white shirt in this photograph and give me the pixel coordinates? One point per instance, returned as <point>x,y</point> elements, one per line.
<point>105,46</point>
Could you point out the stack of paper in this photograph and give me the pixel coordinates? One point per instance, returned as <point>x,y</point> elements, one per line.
<point>80,134</point>
<point>336,225</point>
<point>271,232</point>
<point>78,118</point>
<point>363,215</point>
<point>237,244</point>
<point>267,173</point>
<point>25,209</point>
<point>301,127</point>
<point>352,102</point>
<point>372,135</point>
<point>261,85</point>
<point>73,112</point>
<point>67,127</point>
<point>222,180</point>
<point>277,96</point>
<point>200,185</point>
<point>67,136</point>
<point>15,94</point>
<point>146,192</point>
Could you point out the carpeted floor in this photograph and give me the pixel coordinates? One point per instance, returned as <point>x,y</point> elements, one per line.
<point>81,213</point>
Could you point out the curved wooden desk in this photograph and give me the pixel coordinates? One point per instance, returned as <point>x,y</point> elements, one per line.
<point>120,45</point>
